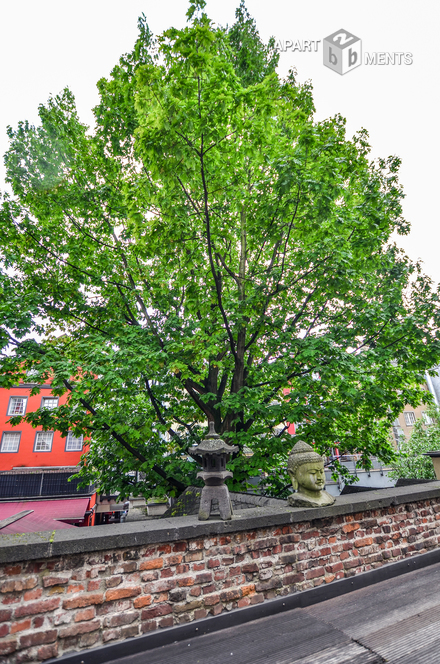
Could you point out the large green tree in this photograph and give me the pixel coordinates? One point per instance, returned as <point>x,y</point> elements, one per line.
<point>205,247</point>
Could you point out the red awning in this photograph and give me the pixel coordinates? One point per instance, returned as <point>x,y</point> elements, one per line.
<point>45,515</point>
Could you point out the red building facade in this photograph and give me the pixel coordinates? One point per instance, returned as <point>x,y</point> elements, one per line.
<point>23,446</point>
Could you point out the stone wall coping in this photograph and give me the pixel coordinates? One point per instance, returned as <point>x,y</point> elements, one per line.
<point>32,546</point>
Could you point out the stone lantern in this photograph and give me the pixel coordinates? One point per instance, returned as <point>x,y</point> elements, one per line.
<point>214,453</point>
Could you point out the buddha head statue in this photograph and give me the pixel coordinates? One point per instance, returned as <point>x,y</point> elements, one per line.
<point>306,469</point>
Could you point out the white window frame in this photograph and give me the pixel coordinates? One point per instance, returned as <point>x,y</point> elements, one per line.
<point>55,399</point>
<point>43,434</point>
<point>427,419</point>
<point>79,441</point>
<point>410,418</point>
<point>10,433</point>
<point>11,401</point>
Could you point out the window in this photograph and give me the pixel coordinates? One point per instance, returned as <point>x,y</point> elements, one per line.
<point>49,402</point>
<point>410,418</point>
<point>73,444</point>
<point>426,418</point>
<point>10,441</point>
<point>17,406</point>
<point>43,441</point>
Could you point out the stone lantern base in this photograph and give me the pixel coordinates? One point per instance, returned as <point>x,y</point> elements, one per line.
<point>220,493</point>
<point>215,489</point>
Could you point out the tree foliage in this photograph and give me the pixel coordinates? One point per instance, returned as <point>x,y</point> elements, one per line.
<point>207,245</point>
<point>409,462</point>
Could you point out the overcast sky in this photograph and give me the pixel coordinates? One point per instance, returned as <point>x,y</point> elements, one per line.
<point>47,45</point>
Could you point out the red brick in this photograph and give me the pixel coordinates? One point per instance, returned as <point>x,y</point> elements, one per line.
<point>38,638</point>
<point>111,634</point>
<point>75,588</point>
<point>263,586</point>
<point>187,607</point>
<point>129,630</point>
<point>257,599</point>
<point>166,573</point>
<point>194,556</point>
<point>121,593</point>
<point>174,560</point>
<point>350,527</point>
<point>156,563</point>
<point>230,595</point>
<point>160,586</point>
<point>79,628</point>
<point>164,548</point>
<point>18,585</point>
<point>6,647</point>
<point>248,590</point>
<point>38,621</point>
<point>249,568</point>
<point>85,614</point>
<point>200,613</point>
<point>118,619</point>
<point>353,562</point>
<point>148,626</point>
<point>83,600</point>
<point>334,567</point>
<point>47,652</point>
<point>87,640</point>
<point>204,578</point>
<point>180,546</point>
<point>113,581</point>
<point>210,600</point>
<point>5,615</point>
<point>149,576</point>
<point>38,607</point>
<point>156,611</point>
<point>365,541</point>
<point>140,602</point>
<point>11,599</point>
<point>32,594</point>
<point>55,581</point>
<point>94,585</point>
<point>4,630</point>
<point>245,601</point>
<point>12,570</point>
<point>213,562</point>
<point>20,626</point>
<point>314,573</point>
<point>187,581</point>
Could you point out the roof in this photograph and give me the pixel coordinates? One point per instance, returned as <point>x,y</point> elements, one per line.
<point>213,444</point>
<point>38,515</point>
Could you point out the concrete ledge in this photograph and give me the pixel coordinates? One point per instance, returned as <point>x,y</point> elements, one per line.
<point>32,546</point>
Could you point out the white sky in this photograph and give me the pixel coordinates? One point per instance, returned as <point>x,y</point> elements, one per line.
<point>47,45</point>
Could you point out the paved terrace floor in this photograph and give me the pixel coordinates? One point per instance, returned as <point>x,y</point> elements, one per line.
<point>395,621</point>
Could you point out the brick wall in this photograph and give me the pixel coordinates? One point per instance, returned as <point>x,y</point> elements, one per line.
<point>58,604</point>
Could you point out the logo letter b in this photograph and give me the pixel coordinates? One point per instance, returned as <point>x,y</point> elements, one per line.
<point>332,57</point>
<point>352,57</point>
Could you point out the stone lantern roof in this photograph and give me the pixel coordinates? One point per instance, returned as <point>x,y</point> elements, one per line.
<point>213,444</point>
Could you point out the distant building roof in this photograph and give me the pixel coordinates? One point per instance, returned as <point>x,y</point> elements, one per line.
<point>39,515</point>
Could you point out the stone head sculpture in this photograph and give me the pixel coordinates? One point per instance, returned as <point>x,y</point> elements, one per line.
<point>306,471</point>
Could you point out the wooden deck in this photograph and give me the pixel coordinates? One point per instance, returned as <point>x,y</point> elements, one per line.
<point>396,621</point>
